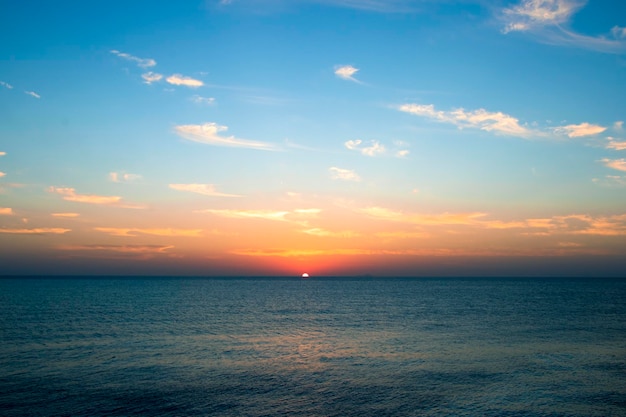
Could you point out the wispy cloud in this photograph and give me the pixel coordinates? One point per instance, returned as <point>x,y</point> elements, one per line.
<point>2,174</point>
<point>549,19</point>
<point>204,189</point>
<point>249,214</point>
<point>32,94</point>
<point>3,153</point>
<point>299,216</point>
<point>135,231</point>
<point>202,100</point>
<point>117,251</point>
<point>346,72</point>
<point>482,119</point>
<point>618,126</point>
<point>583,129</point>
<point>69,194</point>
<point>615,144</point>
<point>423,219</point>
<point>141,62</point>
<point>178,79</point>
<point>316,231</point>
<point>343,174</point>
<point>151,77</point>
<point>6,211</point>
<point>123,177</point>
<point>618,164</point>
<point>65,215</point>
<point>6,85</point>
<point>209,133</point>
<point>37,231</point>
<point>374,148</point>
<point>611,181</point>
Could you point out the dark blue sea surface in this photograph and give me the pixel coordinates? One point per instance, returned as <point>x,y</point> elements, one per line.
<point>315,347</point>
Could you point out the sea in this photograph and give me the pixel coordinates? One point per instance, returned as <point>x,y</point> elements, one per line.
<point>276,346</point>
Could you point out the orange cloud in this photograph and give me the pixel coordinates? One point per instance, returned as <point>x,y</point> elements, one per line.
<point>204,189</point>
<point>37,231</point>
<point>6,211</point>
<point>67,215</point>
<point>69,194</point>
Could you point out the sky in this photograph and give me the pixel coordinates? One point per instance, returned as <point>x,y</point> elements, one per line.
<point>334,137</point>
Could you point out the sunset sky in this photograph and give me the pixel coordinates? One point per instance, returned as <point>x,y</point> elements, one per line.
<point>336,137</point>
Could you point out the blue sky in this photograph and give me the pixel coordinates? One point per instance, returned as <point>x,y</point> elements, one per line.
<point>336,136</point>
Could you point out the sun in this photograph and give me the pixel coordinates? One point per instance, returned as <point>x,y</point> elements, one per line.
<point>305,275</point>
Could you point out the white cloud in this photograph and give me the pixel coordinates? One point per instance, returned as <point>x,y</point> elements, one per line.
<point>549,20</point>
<point>532,13</point>
<point>209,133</point>
<point>343,174</point>
<point>611,181</point>
<point>618,164</point>
<point>2,153</point>
<point>123,177</point>
<point>346,72</point>
<point>204,189</point>
<point>496,122</point>
<point>6,85</point>
<point>141,62</point>
<point>32,94</point>
<point>151,77</point>
<point>583,129</point>
<point>6,211</point>
<point>202,100</point>
<point>178,79</point>
<point>2,174</point>
<point>618,32</point>
<point>402,153</point>
<point>619,125</point>
<point>374,149</point>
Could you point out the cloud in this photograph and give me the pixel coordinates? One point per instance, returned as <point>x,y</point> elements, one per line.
<point>123,177</point>
<point>203,100</point>
<point>6,85</point>
<point>37,231</point>
<point>549,19</point>
<point>343,174</point>
<point>6,211</point>
<point>141,62</point>
<point>69,194</point>
<point>618,32</point>
<point>209,133</point>
<point>402,153</point>
<point>327,233</point>
<point>619,125</point>
<point>3,153</point>
<point>346,72</point>
<point>204,189</point>
<point>618,164</point>
<point>617,145</point>
<point>249,214</point>
<point>583,129</point>
<point>374,149</point>
<point>32,94</point>
<point>151,77</point>
<point>134,231</point>
<point>611,181</point>
<point>2,174</point>
<point>482,119</point>
<point>296,216</point>
<point>178,79</point>
<point>65,215</point>
<point>142,251</point>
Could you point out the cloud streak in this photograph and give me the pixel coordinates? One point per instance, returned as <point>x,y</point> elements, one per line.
<point>210,134</point>
<point>203,189</point>
<point>69,194</point>
<point>37,231</point>
<point>141,62</point>
<point>6,211</point>
<point>346,72</point>
<point>32,94</point>
<point>618,164</point>
<point>178,79</point>
<point>135,231</point>
<point>6,85</point>
<point>583,129</point>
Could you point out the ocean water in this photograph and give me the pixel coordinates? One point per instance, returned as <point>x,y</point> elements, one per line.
<point>316,347</point>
